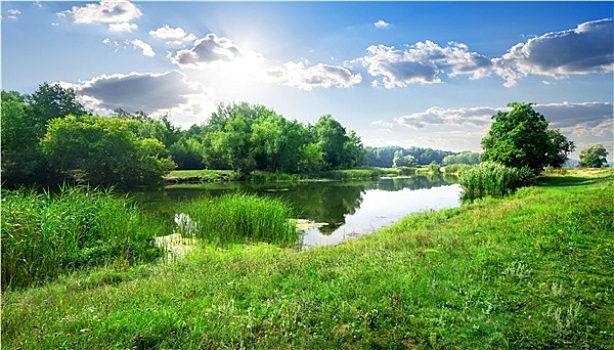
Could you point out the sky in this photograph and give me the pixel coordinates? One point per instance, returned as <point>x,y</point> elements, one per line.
<point>425,74</point>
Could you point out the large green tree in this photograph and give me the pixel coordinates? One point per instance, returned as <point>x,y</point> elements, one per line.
<point>520,138</point>
<point>594,157</point>
<point>24,122</point>
<point>52,101</point>
<point>104,151</point>
<point>340,149</point>
<point>21,159</point>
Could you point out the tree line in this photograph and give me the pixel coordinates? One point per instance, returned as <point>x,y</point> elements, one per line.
<point>49,138</point>
<point>396,156</point>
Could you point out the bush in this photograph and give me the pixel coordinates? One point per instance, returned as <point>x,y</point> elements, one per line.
<point>456,168</point>
<point>525,176</point>
<point>47,234</point>
<point>241,218</point>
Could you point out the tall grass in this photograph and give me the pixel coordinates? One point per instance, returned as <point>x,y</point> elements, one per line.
<point>490,178</point>
<point>47,234</point>
<point>241,218</point>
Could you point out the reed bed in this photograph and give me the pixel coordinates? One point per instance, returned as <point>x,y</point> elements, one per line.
<point>240,218</point>
<point>47,234</point>
<point>490,178</point>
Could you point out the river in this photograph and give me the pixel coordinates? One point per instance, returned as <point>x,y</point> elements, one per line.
<point>346,210</point>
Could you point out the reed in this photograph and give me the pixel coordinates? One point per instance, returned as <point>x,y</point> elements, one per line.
<point>240,218</point>
<point>47,234</point>
<point>489,178</point>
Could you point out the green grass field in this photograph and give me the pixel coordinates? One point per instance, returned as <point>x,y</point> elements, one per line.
<point>534,270</point>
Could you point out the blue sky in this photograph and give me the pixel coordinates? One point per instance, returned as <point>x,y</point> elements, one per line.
<point>426,74</point>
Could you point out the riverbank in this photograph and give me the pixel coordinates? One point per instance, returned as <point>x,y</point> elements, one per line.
<point>532,270</point>
<point>204,176</point>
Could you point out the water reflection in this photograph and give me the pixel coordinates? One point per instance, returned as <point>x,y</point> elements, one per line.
<point>350,209</point>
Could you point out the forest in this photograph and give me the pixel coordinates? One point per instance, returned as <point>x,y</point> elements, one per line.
<point>49,138</point>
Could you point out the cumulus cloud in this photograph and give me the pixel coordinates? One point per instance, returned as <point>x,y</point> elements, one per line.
<point>579,119</point>
<point>146,48</point>
<point>13,14</point>
<point>167,32</point>
<point>147,92</point>
<point>589,48</point>
<point>211,50</point>
<point>177,35</point>
<point>122,27</point>
<point>116,13</point>
<point>471,116</point>
<point>318,76</point>
<point>381,24</point>
<point>424,63</point>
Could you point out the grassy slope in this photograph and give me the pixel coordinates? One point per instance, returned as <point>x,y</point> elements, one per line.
<point>534,270</point>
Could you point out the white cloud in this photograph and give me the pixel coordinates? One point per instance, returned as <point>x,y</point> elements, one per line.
<point>318,76</point>
<point>13,14</point>
<point>122,27</point>
<point>589,48</point>
<point>177,35</point>
<point>116,13</point>
<point>167,32</point>
<point>186,101</point>
<point>381,24</point>
<point>147,50</point>
<point>382,124</point>
<point>579,119</point>
<point>424,63</point>
<point>212,50</point>
<point>471,116</point>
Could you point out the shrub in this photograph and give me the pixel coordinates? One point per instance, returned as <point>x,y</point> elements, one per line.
<point>525,176</point>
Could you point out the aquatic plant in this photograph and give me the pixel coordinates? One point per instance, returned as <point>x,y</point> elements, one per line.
<point>241,218</point>
<point>47,234</point>
<point>489,178</point>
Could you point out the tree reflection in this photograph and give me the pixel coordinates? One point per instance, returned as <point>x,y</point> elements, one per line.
<point>323,202</point>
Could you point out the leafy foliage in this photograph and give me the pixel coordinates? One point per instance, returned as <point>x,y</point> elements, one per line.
<point>383,157</point>
<point>104,151</point>
<point>594,157</point>
<point>469,158</point>
<point>520,138</point>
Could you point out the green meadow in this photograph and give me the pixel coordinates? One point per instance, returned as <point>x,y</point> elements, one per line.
<point>531,270</point>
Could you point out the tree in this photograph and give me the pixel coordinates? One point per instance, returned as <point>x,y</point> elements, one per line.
<point>594,157</point>
<point>104,151</point>
<point>330,135</point>
<point>188,154</point>
<point>311,158</point>
<point>520,138</point>
<point>21,159</point>
<point>24,122</point>
<point>401,160</point>
<point>50,102</point>
<point>353,150</point>
<point>470,158</point>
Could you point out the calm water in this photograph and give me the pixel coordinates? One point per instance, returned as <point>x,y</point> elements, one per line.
<point>349,209</point>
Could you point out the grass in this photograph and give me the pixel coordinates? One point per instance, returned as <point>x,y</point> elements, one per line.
<point>534,270</point>
<point>239,218</point>
<point>47,234</point>
<point>490,178</point>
